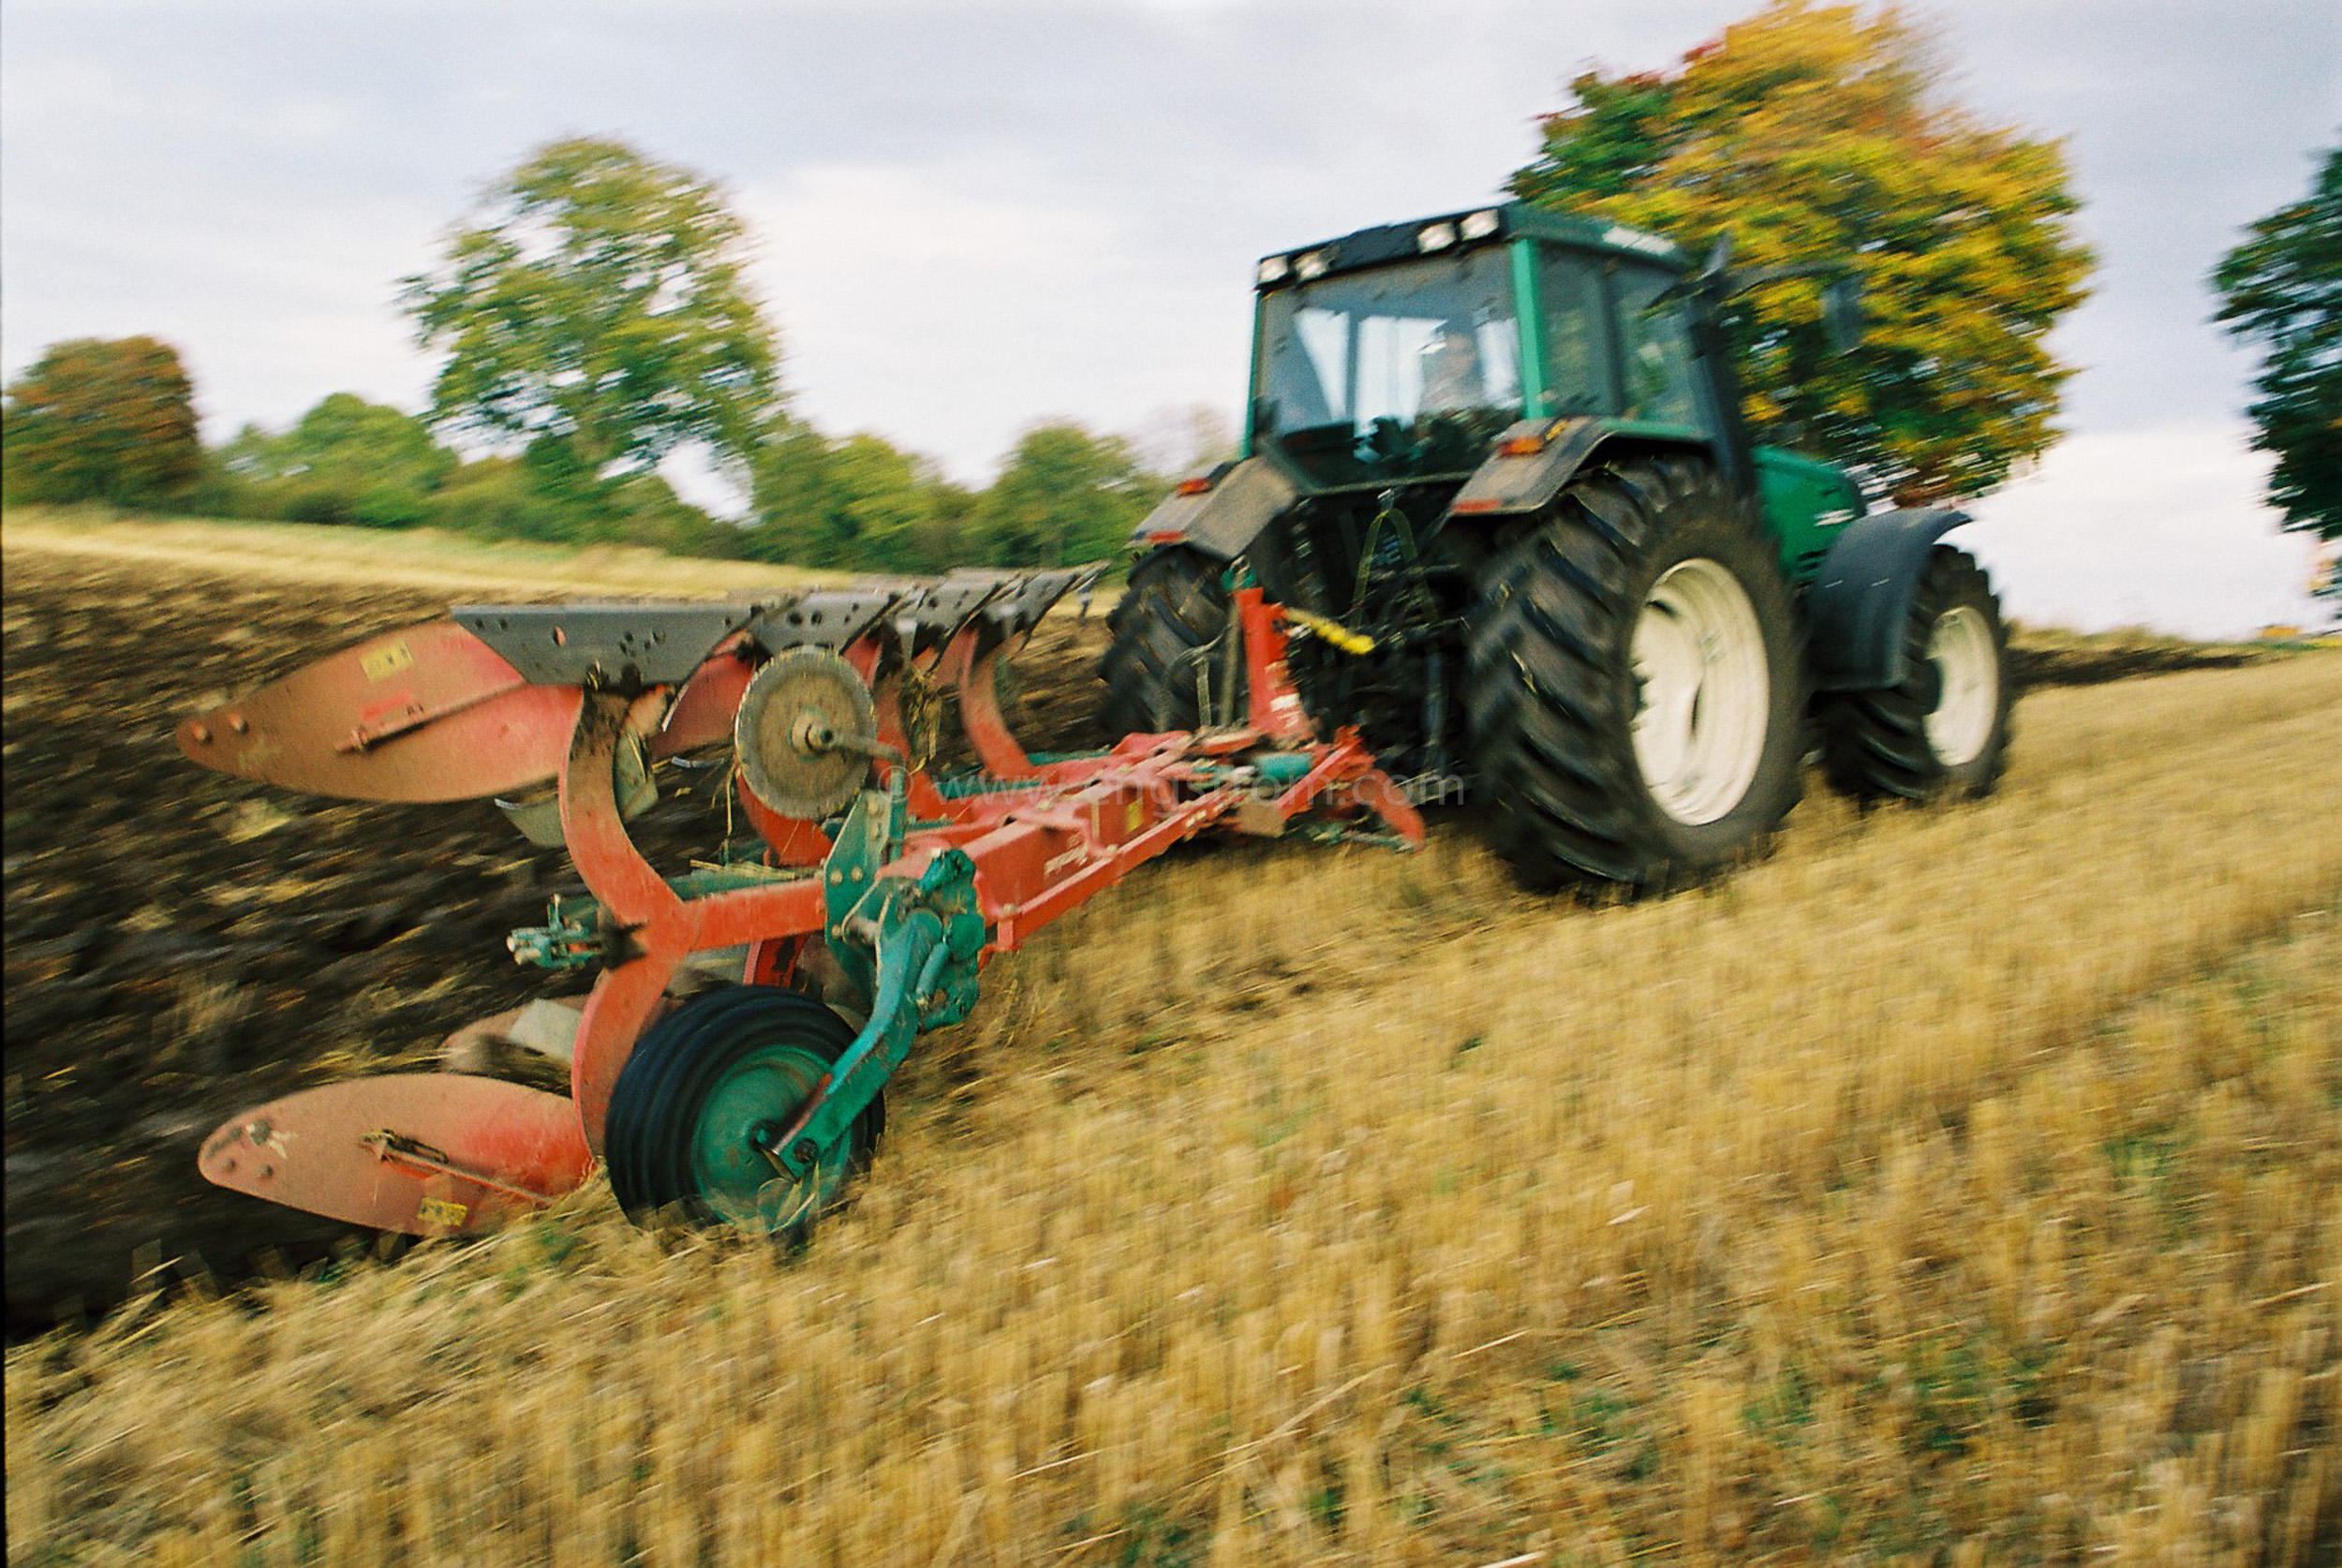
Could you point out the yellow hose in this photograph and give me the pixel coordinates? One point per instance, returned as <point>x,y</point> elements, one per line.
<point>1341,637</point>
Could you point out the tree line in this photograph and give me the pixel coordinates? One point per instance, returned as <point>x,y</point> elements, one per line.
<point>112,421</point>
<point>594,322</point>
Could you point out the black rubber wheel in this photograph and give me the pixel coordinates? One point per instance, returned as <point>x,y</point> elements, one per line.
<point>725,1069</point>
<point>1634,683</point>
<point>1942,732</point>
<point>1166,630</point>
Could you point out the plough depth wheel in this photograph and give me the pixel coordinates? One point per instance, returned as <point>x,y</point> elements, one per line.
<point>699,1112</point>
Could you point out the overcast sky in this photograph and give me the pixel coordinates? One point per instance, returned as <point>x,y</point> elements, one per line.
<point>970,216</point>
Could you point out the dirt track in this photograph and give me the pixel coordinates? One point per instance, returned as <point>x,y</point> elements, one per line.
<point>180,943</point>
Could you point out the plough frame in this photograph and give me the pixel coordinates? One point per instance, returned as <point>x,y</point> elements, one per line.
<point>908,896</point>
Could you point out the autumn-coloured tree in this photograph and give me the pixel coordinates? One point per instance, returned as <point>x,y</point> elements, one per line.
<point>101,420</point>
<point>1819,134</point>
<point>2283,286</point>
<point>596,310</point>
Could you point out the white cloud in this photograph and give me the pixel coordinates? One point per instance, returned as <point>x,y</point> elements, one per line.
<point>2163,527</point>
<point>951,304</point>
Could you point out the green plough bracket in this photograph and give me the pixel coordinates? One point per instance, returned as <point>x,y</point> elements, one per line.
<point>909,944</point>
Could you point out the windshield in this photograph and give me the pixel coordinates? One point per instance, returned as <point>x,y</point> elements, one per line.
<point>1405,371</point>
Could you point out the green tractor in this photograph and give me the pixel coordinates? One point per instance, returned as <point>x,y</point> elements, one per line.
<point>1496,470</point>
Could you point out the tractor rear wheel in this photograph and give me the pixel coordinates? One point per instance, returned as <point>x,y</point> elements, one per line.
<point>700,1104</point>
<point>1634,688</point>
<point>1167,632</point>
<point>1942,732</point>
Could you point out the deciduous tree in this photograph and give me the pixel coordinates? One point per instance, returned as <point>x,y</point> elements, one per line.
<point>860,503</point>
<point>2282,286</point>
<point>1815,133</point>
<point>595,309</point>
<point>347,461</point>
<point>1064,497</point>
<point>879,506</point>
<point>493,496</point>
<point>1174,441</point>
<point>101,420</point>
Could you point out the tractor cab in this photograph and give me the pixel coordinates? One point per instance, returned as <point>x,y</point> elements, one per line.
<point>1399,354</point>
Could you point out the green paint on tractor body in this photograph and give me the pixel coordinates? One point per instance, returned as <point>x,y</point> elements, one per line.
<point>1399,356</point>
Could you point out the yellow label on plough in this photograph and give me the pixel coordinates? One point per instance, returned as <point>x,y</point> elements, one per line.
<point>385,662</point>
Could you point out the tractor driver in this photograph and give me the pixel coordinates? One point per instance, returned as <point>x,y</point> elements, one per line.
<point>1451,369</point>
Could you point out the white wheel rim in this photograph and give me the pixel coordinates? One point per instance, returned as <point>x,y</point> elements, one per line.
<point>1967,675</point>
<point>1706,693</point>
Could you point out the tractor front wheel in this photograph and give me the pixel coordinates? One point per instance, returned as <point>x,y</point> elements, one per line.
<point>1942,732</point>
<point>1168,632</point>
<point>1635,683</point>
<point>697,1112</point>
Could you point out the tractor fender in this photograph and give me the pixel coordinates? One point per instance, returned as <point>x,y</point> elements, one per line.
<point>1534,460</point>
<point>1862,595</point>
<point>1220,511</point>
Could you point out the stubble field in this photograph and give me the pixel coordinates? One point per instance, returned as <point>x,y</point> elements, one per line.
<point>1951,1187</point>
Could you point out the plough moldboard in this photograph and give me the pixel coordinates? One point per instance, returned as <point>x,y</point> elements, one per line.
<point>874,895</point>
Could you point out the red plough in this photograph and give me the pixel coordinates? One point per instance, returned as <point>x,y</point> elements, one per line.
<point>877,893</point>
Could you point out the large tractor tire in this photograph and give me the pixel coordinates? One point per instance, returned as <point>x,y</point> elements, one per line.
<point>1635,689</point>
<point>706,1093</point>
<point>1166,630</point>
<point>1942,732</point>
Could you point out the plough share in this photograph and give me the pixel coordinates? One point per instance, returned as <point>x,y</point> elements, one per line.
<point>877,893</point>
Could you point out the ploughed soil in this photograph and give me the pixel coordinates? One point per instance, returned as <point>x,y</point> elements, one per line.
<point>181,944</point>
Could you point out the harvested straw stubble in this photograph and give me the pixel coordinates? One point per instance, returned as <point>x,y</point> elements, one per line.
<point>1947,1184</point>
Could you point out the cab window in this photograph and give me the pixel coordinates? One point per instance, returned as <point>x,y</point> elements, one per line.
<point>1654,349</point>
<point>1404,370</point>
<point>1570,299</point>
